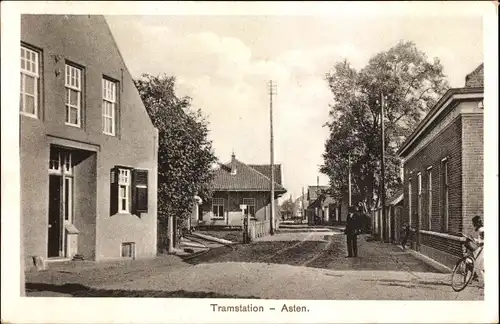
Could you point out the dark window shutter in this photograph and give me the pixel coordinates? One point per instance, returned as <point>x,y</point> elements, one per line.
<point>113,192</point>
<point>140,191</point>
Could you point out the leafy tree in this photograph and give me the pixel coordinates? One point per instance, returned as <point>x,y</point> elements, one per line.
<point>185,154</point>
<point>411,85</point>
<point>287,208</point>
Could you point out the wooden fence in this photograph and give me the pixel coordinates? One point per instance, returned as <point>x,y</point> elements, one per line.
<point>261,228</point>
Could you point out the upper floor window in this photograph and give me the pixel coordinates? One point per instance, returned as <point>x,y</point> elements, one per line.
<point>109,107</point>
<point>29,82</point>
<point>73,83</point>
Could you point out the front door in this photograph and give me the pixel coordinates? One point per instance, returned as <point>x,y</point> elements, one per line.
<point>55,228</point>
<point>200,213</point>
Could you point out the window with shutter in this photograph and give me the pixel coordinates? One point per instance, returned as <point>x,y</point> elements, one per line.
<point>113,191</point>
<point>140,191</point>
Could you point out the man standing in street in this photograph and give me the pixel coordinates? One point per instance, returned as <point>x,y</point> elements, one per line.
<point>351,231</point>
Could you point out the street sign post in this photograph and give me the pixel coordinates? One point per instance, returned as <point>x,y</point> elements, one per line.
<point>244,226</point>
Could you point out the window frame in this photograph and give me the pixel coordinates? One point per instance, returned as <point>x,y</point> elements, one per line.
<point>71,87</point>
<point>36,86</point>
<point>247,210</point>
<point>140,189</point>
<point>446,194</point>
<point>429,197</point>
<point>132,249</point>
<point>112,101</point>
<point>219,202</point>
<point>409,202</point>
<point>127,185</point>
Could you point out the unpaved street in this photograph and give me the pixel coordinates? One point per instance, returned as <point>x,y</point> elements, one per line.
<point>288,265</point>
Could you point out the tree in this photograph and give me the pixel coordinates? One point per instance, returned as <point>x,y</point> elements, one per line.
<point>287,208</point>
<point>411,85</point>
<point>185,154</point>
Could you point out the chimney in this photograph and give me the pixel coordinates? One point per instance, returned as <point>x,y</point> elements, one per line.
<point>233,164</point>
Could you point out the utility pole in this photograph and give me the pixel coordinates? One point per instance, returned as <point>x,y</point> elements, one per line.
<point>272,91</point>
<point>382,162</point>
<point>303,209</point>
<point>350,193</point>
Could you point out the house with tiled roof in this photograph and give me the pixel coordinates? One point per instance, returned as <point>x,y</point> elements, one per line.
<point>235,184</point>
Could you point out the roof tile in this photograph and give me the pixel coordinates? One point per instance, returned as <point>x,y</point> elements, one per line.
<point>246,178</point>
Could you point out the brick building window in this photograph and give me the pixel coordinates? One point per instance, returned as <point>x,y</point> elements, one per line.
<point>250,202</point>
<point>429,198</point>
<point>30,79</point>
<point>419,200</point>
<point>73,83</point>
<point>218,207</point>
<point>409,202</point>
<point>108,107</point>
<point>445,186</point>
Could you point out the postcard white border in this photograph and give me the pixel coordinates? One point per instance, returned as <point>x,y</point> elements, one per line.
<point>141,310</point>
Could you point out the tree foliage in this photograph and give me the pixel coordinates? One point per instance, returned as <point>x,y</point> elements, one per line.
<point>185,154</point>
<point>411,85</point>
<point>287,208</point>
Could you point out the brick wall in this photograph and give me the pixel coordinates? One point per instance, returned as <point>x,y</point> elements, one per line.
<point>472,165</point>
<point>442,244</point>
<point>448,144</point>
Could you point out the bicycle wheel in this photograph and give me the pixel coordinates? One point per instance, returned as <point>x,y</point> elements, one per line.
<point>462,273</point>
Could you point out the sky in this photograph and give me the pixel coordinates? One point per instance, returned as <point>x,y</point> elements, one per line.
<point>224,63</point>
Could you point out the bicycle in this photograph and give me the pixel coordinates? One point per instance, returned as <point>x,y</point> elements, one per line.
<point>464,270</point>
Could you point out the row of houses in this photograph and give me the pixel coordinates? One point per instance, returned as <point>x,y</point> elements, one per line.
<point>443,175</point>
<point>88,151</point>
<point>320,208</point>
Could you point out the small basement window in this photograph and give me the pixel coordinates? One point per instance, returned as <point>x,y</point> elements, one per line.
<point>128,250</point>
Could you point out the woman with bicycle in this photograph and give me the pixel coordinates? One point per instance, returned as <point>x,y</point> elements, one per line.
<point>477,222</point>
<point>471,265</point>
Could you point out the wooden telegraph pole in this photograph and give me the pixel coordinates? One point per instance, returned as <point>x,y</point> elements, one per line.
<point>303,209</point>
<point>382,163</point>
<point>350,193</point>
<point>272,91</point>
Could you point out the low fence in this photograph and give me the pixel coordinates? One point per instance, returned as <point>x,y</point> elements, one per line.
<point>388,229</point>
<point>261,228</point>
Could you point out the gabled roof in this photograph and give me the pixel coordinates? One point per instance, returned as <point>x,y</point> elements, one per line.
<point>246,178</point>
<point>475,79</point>
<point>473,89</point>
<point>265,169</point>
<point>451,96</point>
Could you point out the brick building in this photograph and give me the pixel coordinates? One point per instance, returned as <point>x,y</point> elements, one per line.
<point>443,171</point>
<point>88,148</point>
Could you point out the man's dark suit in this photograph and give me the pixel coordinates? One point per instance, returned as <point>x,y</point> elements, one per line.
<point>351,231</point>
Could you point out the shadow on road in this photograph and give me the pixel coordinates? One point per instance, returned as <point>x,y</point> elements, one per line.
<point>78,290</point>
